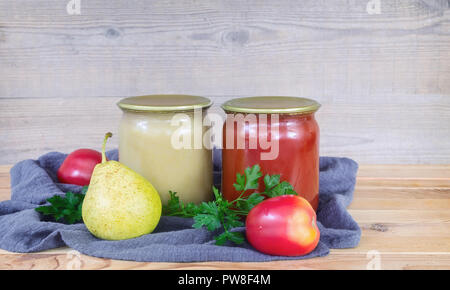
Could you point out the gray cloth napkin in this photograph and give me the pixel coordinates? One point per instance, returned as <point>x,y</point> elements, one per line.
<point>24,230</point>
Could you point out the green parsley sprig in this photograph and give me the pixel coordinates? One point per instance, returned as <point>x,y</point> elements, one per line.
<point>64,209</point>
<point>224,214</point>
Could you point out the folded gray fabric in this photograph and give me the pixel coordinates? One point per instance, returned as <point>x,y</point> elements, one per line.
<point>23,230</point>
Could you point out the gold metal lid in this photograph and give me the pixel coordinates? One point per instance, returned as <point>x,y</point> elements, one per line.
<point>271,105</point>
<point>164,103</point>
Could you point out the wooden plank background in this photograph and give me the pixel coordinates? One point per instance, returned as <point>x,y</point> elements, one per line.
<point>383,79</point>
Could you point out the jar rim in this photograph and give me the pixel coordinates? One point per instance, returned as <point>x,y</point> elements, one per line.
<point>271,105</point>
<point>164,103</point>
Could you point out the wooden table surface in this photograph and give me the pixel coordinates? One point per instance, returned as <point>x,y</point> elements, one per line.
<point>403,210</point>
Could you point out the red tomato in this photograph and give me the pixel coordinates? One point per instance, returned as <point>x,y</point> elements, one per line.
<point>283,226</point>
<point>78,166</point>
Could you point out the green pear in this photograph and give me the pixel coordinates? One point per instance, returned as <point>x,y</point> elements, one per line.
<point>120,203</point>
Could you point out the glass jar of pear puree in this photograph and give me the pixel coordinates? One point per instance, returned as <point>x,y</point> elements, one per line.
<point>146,144</point>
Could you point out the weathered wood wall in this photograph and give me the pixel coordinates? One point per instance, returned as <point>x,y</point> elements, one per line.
<point>383,79</point>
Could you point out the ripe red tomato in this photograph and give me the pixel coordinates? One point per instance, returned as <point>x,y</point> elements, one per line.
<point>78,166</point>
<point>283,226</point>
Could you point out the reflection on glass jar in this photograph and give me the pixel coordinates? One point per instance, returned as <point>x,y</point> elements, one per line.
<point>157,136</point>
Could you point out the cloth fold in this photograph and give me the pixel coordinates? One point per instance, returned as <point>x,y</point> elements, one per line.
<point>24,230</point>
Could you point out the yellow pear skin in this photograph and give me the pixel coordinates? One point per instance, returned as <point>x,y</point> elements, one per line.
<point>120,204</point>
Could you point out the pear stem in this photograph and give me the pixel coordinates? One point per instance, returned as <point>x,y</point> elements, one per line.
<point>107,135</point>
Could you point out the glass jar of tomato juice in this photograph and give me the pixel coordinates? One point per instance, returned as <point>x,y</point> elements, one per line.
<point>278,133</point>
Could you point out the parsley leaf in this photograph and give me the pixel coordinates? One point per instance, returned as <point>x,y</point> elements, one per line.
<point>273,188</point>
<point>271,181</point>
<point>224,214</point>
<point>209,221</point>
<point>249,180</point>
<point>248,203</point>
<point>176,208</point>
<point>65,209</point>
<point>235,237</point>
